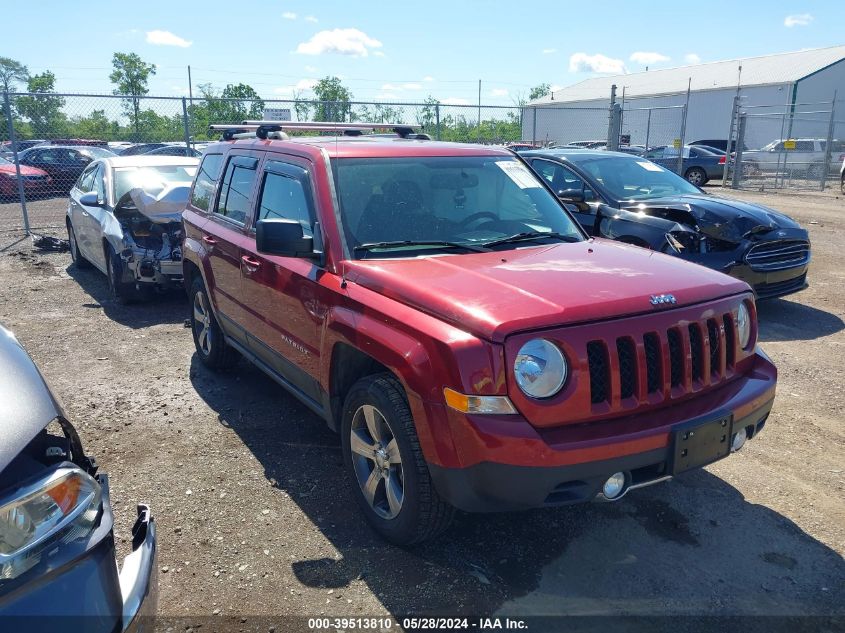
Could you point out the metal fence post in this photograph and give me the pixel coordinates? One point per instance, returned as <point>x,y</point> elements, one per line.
<point>730,137</point>
<point>740,141</point>
<point>684,132</point>
<point>437,119</point>
<point>647,129</point>
<point>610,118</point>
<point>7,107</point>
<point>614,128</point>
<point>534,128</point>
<point>828,148</point>
<point>186,123</point>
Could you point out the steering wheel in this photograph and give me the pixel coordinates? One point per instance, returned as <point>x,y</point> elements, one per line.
<point>477,216</point>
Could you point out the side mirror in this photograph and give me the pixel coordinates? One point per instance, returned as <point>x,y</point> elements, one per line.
<point>90,199</point>
<point>576,196</point>
<point>283,237</point>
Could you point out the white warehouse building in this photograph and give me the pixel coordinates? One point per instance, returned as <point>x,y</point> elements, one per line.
<point>798,89</point>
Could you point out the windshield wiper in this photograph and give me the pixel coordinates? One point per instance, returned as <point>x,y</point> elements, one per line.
<point>423,243</point>
<point>528,236</point>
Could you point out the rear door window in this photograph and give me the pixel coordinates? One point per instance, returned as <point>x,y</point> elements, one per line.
<point>236,188</point>
<point>206,181</point>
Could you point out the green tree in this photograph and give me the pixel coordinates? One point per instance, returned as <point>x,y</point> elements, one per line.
<point>333,100</point>
<point>12,72</point>
<point>427,115</point>
<point>246,103</point>
<point>45,110</point>
<point>538,92</point>
<point>95,125</point>
<point>301,106</point>
<point>130,76</point>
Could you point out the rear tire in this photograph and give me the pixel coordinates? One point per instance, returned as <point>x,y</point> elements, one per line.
<point>78,260</point>
<point>696,176</point>
<point>402,504</point>
<point>211,346</point>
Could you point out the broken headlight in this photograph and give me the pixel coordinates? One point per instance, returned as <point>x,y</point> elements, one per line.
<point>55,509</point>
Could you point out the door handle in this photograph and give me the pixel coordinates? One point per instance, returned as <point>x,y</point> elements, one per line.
<point>209,240</point>
<point>250,264</point>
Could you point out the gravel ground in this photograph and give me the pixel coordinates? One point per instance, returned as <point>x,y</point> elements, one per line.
<point>255,516</point>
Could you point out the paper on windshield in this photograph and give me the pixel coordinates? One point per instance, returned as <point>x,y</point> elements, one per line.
<point>519,174</point>
<point>649,166</point>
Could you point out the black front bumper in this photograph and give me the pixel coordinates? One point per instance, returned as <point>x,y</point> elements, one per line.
<point>770,285</point>
<point>492,487</point>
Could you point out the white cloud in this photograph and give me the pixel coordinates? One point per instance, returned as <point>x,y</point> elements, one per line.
<point>549,51</point>
<point>311,69</point>
<point>412,86</point>
<point>646,58</point>
<point>800,19</point>
<point>390,87</point>
<point>692,58</point>
<point>428,78</point>
<point>341,41</point>
<point>300,86</point>
<point>289,15</point>
<point>499,92</point>
<point>454,101</point>
<point>598,63</point>
<point>166,38</point>
<point>378,53</point>
<point>555,88</point>
<point>311,18</point>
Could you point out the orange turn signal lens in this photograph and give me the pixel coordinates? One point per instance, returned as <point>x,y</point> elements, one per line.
<point>478,404</point>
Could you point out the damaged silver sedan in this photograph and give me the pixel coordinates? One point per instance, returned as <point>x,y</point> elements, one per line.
<point>124,218</point>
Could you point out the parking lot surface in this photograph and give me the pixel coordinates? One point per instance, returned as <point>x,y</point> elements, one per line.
<point>255,514</point>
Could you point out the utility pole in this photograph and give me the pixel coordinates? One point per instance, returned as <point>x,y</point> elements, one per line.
<point>190,88</point>
<point>479,110</point>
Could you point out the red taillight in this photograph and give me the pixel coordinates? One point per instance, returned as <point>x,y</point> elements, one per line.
<point>722,159</point>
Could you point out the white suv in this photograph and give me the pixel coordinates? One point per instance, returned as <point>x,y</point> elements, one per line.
<point>807,158</point>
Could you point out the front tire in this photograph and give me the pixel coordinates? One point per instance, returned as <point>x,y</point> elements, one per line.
<point>382,454</point>
<point>696,176</point>
<point>122,292</point>
<point>211,346</point>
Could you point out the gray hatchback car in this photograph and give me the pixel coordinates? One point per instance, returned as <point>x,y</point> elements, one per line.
<point>57,553</point>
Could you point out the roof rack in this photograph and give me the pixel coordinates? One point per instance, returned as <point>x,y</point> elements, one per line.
<point>347,129</point>
<point>232,132</point>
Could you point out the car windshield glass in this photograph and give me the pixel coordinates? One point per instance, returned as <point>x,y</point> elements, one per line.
<point>151,179</point>
<point>635,178</point>
<point>415,203</point>
<point>97,152</point>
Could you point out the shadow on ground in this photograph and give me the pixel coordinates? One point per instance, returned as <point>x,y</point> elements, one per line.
<point>694,544</point>
<point>165,307</point>
<point>785,320</point>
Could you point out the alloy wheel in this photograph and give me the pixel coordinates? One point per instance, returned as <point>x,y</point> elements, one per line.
<point>377,462</point>
<point>202,323</point>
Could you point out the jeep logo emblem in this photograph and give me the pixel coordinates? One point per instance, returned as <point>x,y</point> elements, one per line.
<point>657,300</point>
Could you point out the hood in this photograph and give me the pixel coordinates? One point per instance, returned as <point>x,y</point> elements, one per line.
<point>25,170</point>
<point>162,206</point>
<point>722,218</point>
<point>26,403</point>
<point>496,294</point>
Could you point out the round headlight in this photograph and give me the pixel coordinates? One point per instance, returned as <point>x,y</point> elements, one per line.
<point>540,368</point>
<point>743,325</point>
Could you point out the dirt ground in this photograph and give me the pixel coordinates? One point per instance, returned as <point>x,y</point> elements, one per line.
<point>255,516</point>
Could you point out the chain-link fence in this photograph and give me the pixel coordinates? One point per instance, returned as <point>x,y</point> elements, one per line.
<point>799,146</point>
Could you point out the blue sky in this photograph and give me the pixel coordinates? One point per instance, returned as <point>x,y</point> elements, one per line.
<point>398,50</point>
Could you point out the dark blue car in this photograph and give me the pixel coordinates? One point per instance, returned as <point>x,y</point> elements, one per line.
<point>701,164</point>
<point>57,548</point>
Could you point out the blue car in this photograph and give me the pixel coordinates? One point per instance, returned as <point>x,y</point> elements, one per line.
<point>701,164</point>
<point>57,548</point>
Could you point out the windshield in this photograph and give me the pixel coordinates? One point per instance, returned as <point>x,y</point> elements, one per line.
<point>635,179</point>
<point>460,200</point>
<point>97,152</point>
<point>151,179</point>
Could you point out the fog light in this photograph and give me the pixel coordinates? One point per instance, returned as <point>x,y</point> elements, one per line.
<point>738,440</point>
<point>614,486</point>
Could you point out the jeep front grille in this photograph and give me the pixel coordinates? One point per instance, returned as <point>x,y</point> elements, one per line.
<point>681,359</point>
<point>768,256</point>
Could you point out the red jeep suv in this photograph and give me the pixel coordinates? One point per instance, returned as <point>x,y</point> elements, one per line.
<point>440,308</point>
